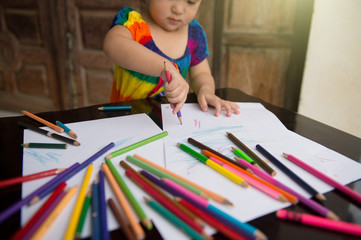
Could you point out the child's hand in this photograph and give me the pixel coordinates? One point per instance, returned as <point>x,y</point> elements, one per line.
<point>209,98</point>
<point>176,91</point>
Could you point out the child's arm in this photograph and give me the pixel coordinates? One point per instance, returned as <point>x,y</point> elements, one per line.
<point>203,85</point>
<point>120,47</point>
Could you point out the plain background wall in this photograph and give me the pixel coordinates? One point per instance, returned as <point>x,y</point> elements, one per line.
<point>331,88</point>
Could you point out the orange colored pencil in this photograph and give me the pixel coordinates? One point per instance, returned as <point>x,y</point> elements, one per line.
<point>43,121</point>
<point>212,195</point>
<point>133,221</point>
<point>291,198</point>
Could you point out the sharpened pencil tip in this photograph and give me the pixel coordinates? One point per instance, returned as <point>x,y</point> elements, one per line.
<point>332,216</point>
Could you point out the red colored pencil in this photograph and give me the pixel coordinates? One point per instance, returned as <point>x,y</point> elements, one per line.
<point>226,231</point>
<point>16,180</point>
<point>22,231</point>
<point>164,202</point>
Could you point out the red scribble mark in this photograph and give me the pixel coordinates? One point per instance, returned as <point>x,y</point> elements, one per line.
<point>324,159</point>
<point>197,123</point>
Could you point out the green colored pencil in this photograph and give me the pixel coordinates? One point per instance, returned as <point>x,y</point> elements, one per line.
<point>138,209</point>
<point>163,174</point>
<point>136,145</point>
<point>174,219</point>
<point>45,145</point>
<point>242,155</point>
<point>83,214</point>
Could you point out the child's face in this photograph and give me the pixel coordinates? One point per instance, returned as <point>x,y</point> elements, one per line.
<point>173,14</point>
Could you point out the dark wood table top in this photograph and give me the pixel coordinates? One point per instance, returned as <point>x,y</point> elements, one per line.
<point>11,136</point>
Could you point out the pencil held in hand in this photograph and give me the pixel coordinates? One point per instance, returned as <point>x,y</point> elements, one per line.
<point>169,78</point>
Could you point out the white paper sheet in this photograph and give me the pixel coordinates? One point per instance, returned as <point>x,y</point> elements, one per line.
<point>254,125</point>
<point>93,136</point>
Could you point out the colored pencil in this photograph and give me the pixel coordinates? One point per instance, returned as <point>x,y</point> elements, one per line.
<point>297,179</point>
<point>34,176</point>
<point>241,154</point>
<point>22,231</point>
<point>77,169</point>
<point>49,134</point>
<point>74,219</point>
<point>137,144</point>
<point>251,154</point>
<point>243,228</point>
<point>167,204</point>
<point>36,225</point>
<point>103,208</point>
<point>95,212</point>
<point>323,211</point>
<point>220,226</point>
<point>204,147</point>
<point>174,219</point>
<point>66,129</point>
<point>114,108</point>
<point>124,226</point>
<point>253,182</point>
<point>169,79</point>
<point>291,198</point>
<point>228,174</point>
<point>160,173</point>
<point>308,219</point>
<point>45,145</point>
<point>135,226</point>
<point>54,214</point>
<point>83,214</point>
<point>17,206</point>
<point>129,195</point>
<point>346,190</point>
<point>161,184</point>
<point>43,121</point>
<point>169,174</point>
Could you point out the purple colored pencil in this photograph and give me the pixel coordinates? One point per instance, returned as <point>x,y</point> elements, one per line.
<point>307,202</point>
<point>103,209</point>
<point>83,165</point>
<point>52,183</point>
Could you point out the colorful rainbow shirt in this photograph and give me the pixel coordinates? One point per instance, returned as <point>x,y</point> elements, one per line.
<point>130,85</point>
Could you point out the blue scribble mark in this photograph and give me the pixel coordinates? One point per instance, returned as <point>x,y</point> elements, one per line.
<point>43,159</point>
<point>121,142</point>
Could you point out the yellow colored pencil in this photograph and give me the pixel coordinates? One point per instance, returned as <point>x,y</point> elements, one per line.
<point>133,221</point>
<point>73,223</point>
<point>54,214</point>
<point>43,121</point>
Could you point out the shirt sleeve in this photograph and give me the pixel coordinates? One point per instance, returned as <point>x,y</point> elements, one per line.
<point>197,43</point>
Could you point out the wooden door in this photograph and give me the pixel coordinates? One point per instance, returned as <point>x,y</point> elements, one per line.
<point>28,73</point>
<point>260,47</point>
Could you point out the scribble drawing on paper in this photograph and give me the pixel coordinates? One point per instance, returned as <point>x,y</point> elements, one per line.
<point>43,159</point>
<point>121,142</point>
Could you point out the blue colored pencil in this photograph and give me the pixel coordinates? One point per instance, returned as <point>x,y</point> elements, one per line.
<point>290,173</point>
<point>66,129</point>
<point>103,209</point>
<point>115,108</point>
<point>95,216</point>
<point>83,165</point>
<point>17,206</point>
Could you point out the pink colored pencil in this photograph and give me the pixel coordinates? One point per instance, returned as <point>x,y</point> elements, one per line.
<point>348,191</point>
<point>16,180</point>
<point>320,209</point>
<point>24,230</point>
<point>253,182</point>
<point>185,191</point>
<point>312,220</point>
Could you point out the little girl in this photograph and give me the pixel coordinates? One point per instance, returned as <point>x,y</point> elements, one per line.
<point>164,32</point>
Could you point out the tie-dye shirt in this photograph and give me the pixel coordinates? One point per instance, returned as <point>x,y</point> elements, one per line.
<point>129,85</point>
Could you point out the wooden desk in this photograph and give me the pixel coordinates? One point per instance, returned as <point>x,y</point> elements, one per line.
<point>11,136</point>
